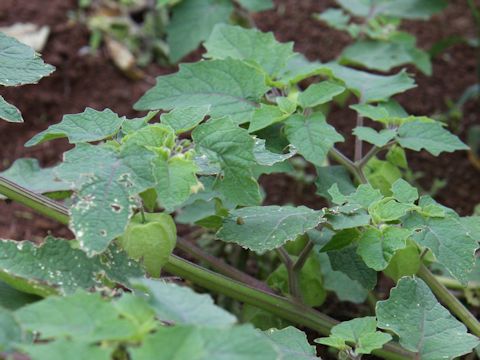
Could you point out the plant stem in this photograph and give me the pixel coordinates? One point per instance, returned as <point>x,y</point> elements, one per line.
<point>39,203</point>
<point>349,164</point>
<point>282,307</point>
<point>358,142</point>
<point>302,258</point>
<point>453,284</point>
<point>293,276</point>
<point>221,266</point>
<point>447,298</point>
<point>277,305</point>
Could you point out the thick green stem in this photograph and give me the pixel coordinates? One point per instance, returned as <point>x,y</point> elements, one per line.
<point>221,266</point>
<point>282,307</point>
<point>39,203</point>
<point>448,299</point>
<point>277,305</point>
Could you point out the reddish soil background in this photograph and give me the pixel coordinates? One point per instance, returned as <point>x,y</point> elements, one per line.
<point>82,80</point>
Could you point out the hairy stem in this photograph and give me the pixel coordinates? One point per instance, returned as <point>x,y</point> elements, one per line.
<point>293,276</point>
<point>448,299</point>
<point>358,142</point>
<point>221,266</point>
<point>277,305</point>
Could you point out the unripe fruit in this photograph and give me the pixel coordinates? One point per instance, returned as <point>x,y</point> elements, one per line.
<point>151,242</point>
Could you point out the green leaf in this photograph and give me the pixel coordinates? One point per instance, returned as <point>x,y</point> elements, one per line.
<point>320,93</point>
<point>407,9</point>
<point>232,147</point>
<point>106,179</point>
<point>28,174</point>
<point>370,135</point>
<point>182,306</point>
<point>423,325</point>
<point>176,180</point>
<point>91,125</point>
<point>263,228</point>
<point>20,63</point>
<point>196,343</point>
<point>335,18</point>
<point>377,247</point>
<point>429,136</point>
<point>351,264</point>
<point>185,119</point>
<point>10,331</point>
<point>388,209</point>
<point>449,240</point>
<point>312,136</point>
<point>83,316</point>
<point>251,45</point>
<point>230,87</point>
<point>192,21</point>
<point>256,5</point>
<point>389,112</point>
<point>56,267</point>
<point>385,55</point>
<point>360,331</point>
<point>404,192</point>
<point>329,175</point>
<point>12,299</point>
<point>66,349</point>
<point>370,87</point>
<point>265,116</point>
<point>382,175</point>
<point>266,157</point>
<point>9,112</point>
<point>405,262</point>
<point>291,344</point>
<point>345,288</point>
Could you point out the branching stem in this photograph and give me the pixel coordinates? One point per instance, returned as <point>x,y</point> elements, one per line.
<point>293,276</point>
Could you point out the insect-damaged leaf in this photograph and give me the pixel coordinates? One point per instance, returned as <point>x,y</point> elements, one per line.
<point>56,267</point>
<point>106,179</point>
<point>262,228</point>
